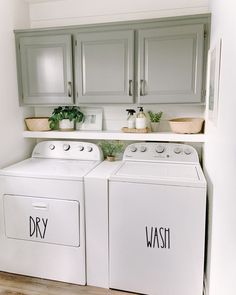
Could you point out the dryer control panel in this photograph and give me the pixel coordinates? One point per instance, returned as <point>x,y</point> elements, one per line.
<point>166,152</point>
<point>71,150</point>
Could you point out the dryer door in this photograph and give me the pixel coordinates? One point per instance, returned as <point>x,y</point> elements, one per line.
<point>42,220</point>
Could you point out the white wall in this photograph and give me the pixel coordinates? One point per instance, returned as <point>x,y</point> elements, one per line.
<point>220,160</point>
<point>70,12</point>
<point>13,14</point>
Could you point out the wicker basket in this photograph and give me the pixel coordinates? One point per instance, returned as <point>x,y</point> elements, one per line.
<point>186,125</point>
<point>37,124</point>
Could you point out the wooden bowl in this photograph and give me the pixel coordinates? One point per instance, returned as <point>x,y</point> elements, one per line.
<point>186,125</point>
<point>37,124</point>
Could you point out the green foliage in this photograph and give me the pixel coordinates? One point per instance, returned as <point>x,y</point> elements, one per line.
<point>111,147</point>
<point>155,117</point>
<point>61,113</point>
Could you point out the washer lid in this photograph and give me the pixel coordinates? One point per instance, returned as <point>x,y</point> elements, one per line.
<point>50,168</point>
<point>160,173</point>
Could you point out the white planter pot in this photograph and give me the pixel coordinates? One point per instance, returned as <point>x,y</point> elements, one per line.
<point>154,126</point>
<point>66,125</point>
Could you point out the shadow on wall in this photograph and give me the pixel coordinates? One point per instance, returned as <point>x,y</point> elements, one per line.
<point>208,233</point>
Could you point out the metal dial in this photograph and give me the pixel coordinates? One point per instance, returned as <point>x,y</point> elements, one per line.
<point>160,149</point>
<point>66,147</point>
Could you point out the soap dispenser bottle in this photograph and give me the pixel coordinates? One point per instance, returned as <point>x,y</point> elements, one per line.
<point>131,118</point>
<point>141,121</point>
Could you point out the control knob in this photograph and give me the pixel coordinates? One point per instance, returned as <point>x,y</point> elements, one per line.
<point>160,149</point>
<point>177,150</point>
<point>89,149</point>
<point>52,147</point>
<point>187,151</point>
<point>133,149</point>
<point>66,147</point>
<point>81,148</point>
<point>143,149</point>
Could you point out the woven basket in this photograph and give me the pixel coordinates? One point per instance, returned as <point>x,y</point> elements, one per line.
<point>37,124</point>
<point>186,125</point>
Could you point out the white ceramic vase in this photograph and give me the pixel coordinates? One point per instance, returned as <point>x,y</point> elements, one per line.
<point>154,126</point>
<point>66,125</point>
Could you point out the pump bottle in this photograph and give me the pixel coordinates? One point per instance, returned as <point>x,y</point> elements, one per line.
<point>141,121</point>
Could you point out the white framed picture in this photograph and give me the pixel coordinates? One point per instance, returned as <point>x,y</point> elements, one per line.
<point>214,59</point>
<point>93,119</point>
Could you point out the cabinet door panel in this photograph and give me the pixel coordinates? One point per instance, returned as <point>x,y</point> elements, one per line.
<point>105,67</point>
<point>46,68</point>
<point>171,64</point>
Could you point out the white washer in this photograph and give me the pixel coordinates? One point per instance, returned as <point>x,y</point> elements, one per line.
<point>157,206</point>
<point>42,206</point>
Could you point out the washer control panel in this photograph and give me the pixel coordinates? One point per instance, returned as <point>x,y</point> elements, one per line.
<point>68,150</point>
<point>167,152</point>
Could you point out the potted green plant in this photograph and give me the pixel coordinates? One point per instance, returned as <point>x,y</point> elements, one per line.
<point>155,120</point>
<point>111,148</point>
<point>64,118</point>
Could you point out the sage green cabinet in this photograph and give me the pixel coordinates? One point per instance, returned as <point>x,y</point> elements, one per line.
<point>149,61</point>
<point>171,64</point>
<point>45,66</point>
<point>104,67</point>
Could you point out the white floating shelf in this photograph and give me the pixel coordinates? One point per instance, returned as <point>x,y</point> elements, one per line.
<point>116,135</point>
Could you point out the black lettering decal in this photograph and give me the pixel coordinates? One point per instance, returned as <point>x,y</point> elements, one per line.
<point>167,232</point>
<point>38,227</point>
<point>45,222</point>
<point>149,241</point>
<point>31,225</point>
<point>156,239</point>
<point>161,229</point>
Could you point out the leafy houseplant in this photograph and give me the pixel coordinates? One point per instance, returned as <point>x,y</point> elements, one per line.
<point>111,148</point>
<point>65,117</point>
<point>155,119</point>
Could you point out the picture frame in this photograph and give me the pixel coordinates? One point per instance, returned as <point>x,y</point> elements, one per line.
<point>93,119</point>
<point>213,81</point>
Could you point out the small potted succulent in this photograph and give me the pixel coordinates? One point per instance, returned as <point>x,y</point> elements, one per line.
<point>64,118</point>
<point>111,148</point>
<point>155,120</point>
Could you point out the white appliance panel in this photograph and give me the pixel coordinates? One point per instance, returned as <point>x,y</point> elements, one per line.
<point>156,238</point>
<point>42,220</point>
<point>50,168</point>
<point>154,170</point>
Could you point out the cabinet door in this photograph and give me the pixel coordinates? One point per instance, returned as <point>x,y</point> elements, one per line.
<point>46,70</point>
<point>105,67</point>
<point>171,64</point>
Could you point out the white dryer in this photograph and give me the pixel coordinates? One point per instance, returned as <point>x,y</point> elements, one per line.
<point>157,207</point>
<point>42,230</point>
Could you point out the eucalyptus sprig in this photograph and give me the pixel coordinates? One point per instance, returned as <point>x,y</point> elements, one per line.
<point>60,113</point>
<point>155,117</point>
<point>111,148</point>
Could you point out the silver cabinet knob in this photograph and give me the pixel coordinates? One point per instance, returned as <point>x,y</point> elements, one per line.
<point>52,147</point>
<point>66,147</point>
<point>133,149</point>
<point>177,150</point>
<point>81,148</point>
<point>143,149</point>
<point>160,149</point>
<point>89,149</point>
<point>187,151</point>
